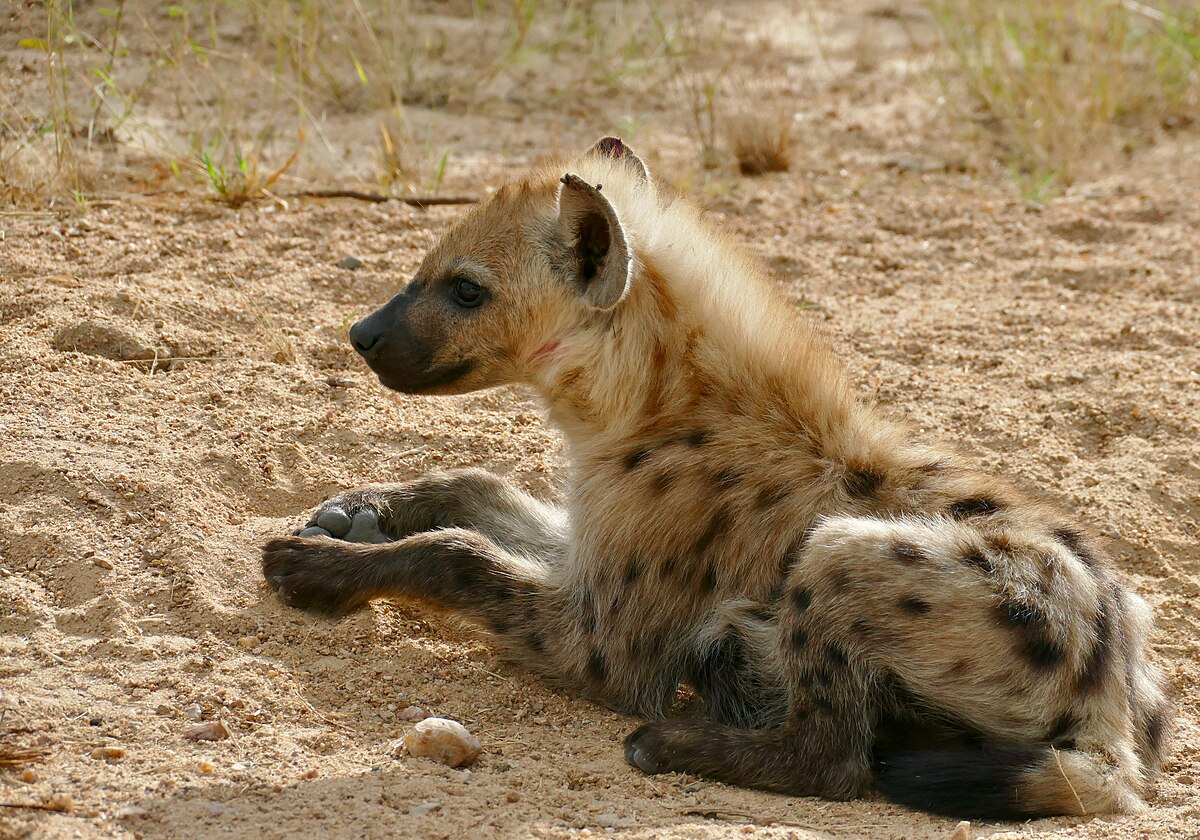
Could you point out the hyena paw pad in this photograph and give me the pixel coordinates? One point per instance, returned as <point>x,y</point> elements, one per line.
<point>347,517</point>
<point>313,574</point>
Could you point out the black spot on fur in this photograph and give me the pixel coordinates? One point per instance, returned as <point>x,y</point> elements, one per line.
<point>907,553</point>
<point>914,605</point>
<point>771,496</point>
<point>668,567</point>
<point>862,628</point>
<point>976,506</point>
<point>1074,541</point>
<point>716,526</point>
<point>801,598</point>
<point>799,637</point>
<point>587,611</point>
<point>597,666</point>
<point>836,656</point>
<point>662,481</point>
<point>980,561</point>
<point>1060,731</point>
<point>535,641</point>
<point>765,614</point>
<point>708,582</point>
<point>728,477</point>
<point>696,438</point>
<point>863,483</point>
<point>632,572</point>
<point>498,624</point>
<point>823,704</point>
<point>1156,732</point>
<point>1032,627</point>
<point>1099,660</point>
<point>840,580</point>
<point>635,459</point>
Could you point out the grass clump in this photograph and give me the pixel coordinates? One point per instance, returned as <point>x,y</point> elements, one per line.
<point>1061,84</point>
<point>761,139</point>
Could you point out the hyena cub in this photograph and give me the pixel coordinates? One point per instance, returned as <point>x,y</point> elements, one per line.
<point>855,608</point>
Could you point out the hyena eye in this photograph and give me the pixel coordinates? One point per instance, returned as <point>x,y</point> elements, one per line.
<point>467,293</point>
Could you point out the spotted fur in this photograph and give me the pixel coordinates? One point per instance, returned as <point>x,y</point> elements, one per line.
<point>853,606</point>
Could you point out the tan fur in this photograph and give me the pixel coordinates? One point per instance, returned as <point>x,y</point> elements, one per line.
<point>728,487</point>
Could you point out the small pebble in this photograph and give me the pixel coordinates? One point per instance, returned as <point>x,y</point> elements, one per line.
<point>132,812</point>
<point>193,712</point>
<point>335,520</point>
<point>61,802</point>
<point>962,831</point>
<point>349,263</point>
<point>512,796</point>
<point>424,809</point>
<point>310,774</point>
<point>29,775</point>
<point>412,713</point>
<point>109,754</point>
<point>248,642</point>
<point>442,740</point>
<point>102,563</point>
<point>210,730</point>
<point>205,767</point>
<point>1185,780</point>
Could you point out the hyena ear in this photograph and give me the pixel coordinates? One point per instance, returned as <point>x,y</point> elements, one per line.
<point>603,262</point>
<point>614,149</point>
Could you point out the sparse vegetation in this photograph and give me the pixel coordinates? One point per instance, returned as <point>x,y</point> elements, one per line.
<point>761,138</point>
<point>1060,83</point>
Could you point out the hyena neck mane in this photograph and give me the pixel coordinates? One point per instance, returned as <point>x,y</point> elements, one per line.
<point>703,339</point>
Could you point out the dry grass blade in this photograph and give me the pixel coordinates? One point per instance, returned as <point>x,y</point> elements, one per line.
<point>761,140</point>
<point>15,756</point>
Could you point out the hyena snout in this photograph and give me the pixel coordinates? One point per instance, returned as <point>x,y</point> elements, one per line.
<point>398,342</point>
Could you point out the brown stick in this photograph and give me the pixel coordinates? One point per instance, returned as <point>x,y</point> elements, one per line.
<point>380,198</point>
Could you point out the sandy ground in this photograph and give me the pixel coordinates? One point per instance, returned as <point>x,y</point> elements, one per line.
<point>176,386</point>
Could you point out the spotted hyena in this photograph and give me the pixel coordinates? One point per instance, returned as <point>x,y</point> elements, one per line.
<point>854,607</point>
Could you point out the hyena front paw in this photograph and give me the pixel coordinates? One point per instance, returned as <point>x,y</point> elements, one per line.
<point>352,517</point>
<point>648,748</point>
<point>318,574</point>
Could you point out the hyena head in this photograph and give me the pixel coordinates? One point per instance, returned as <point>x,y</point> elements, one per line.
<point>534,262</point>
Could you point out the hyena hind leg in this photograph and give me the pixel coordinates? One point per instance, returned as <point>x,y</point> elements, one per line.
<point>464,498</point>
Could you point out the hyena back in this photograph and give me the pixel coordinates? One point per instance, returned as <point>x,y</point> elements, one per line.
<point>854,608</point>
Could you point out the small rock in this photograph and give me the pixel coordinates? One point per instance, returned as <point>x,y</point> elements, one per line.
<point>102,563</point>
<point>349,263</point>
<point>962,831</point>
<point>61,802</point>
<point>424,809</point>
<point>132,812</point>
<point>310,774</point>
<point>442,740</point>
<point>607,820</point>
<point>205,767</point>
<point>110,754</point>
<point>29,775</point>
<point>248,642</point>
<point>210,730</point>
<point>413,713</point>
<point>1185,780</point>
<point>164,709</point>
<point>193,712</point>
<point>512,796</point>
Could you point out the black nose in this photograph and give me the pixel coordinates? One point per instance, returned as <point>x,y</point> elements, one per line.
<point>365,336</point>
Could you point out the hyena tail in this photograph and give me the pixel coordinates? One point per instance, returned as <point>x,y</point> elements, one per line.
<point>1007,782</point>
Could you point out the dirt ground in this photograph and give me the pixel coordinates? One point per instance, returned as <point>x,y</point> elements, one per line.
<point>177,387</point>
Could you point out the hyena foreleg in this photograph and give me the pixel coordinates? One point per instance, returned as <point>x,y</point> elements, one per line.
<point>465,498</point>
